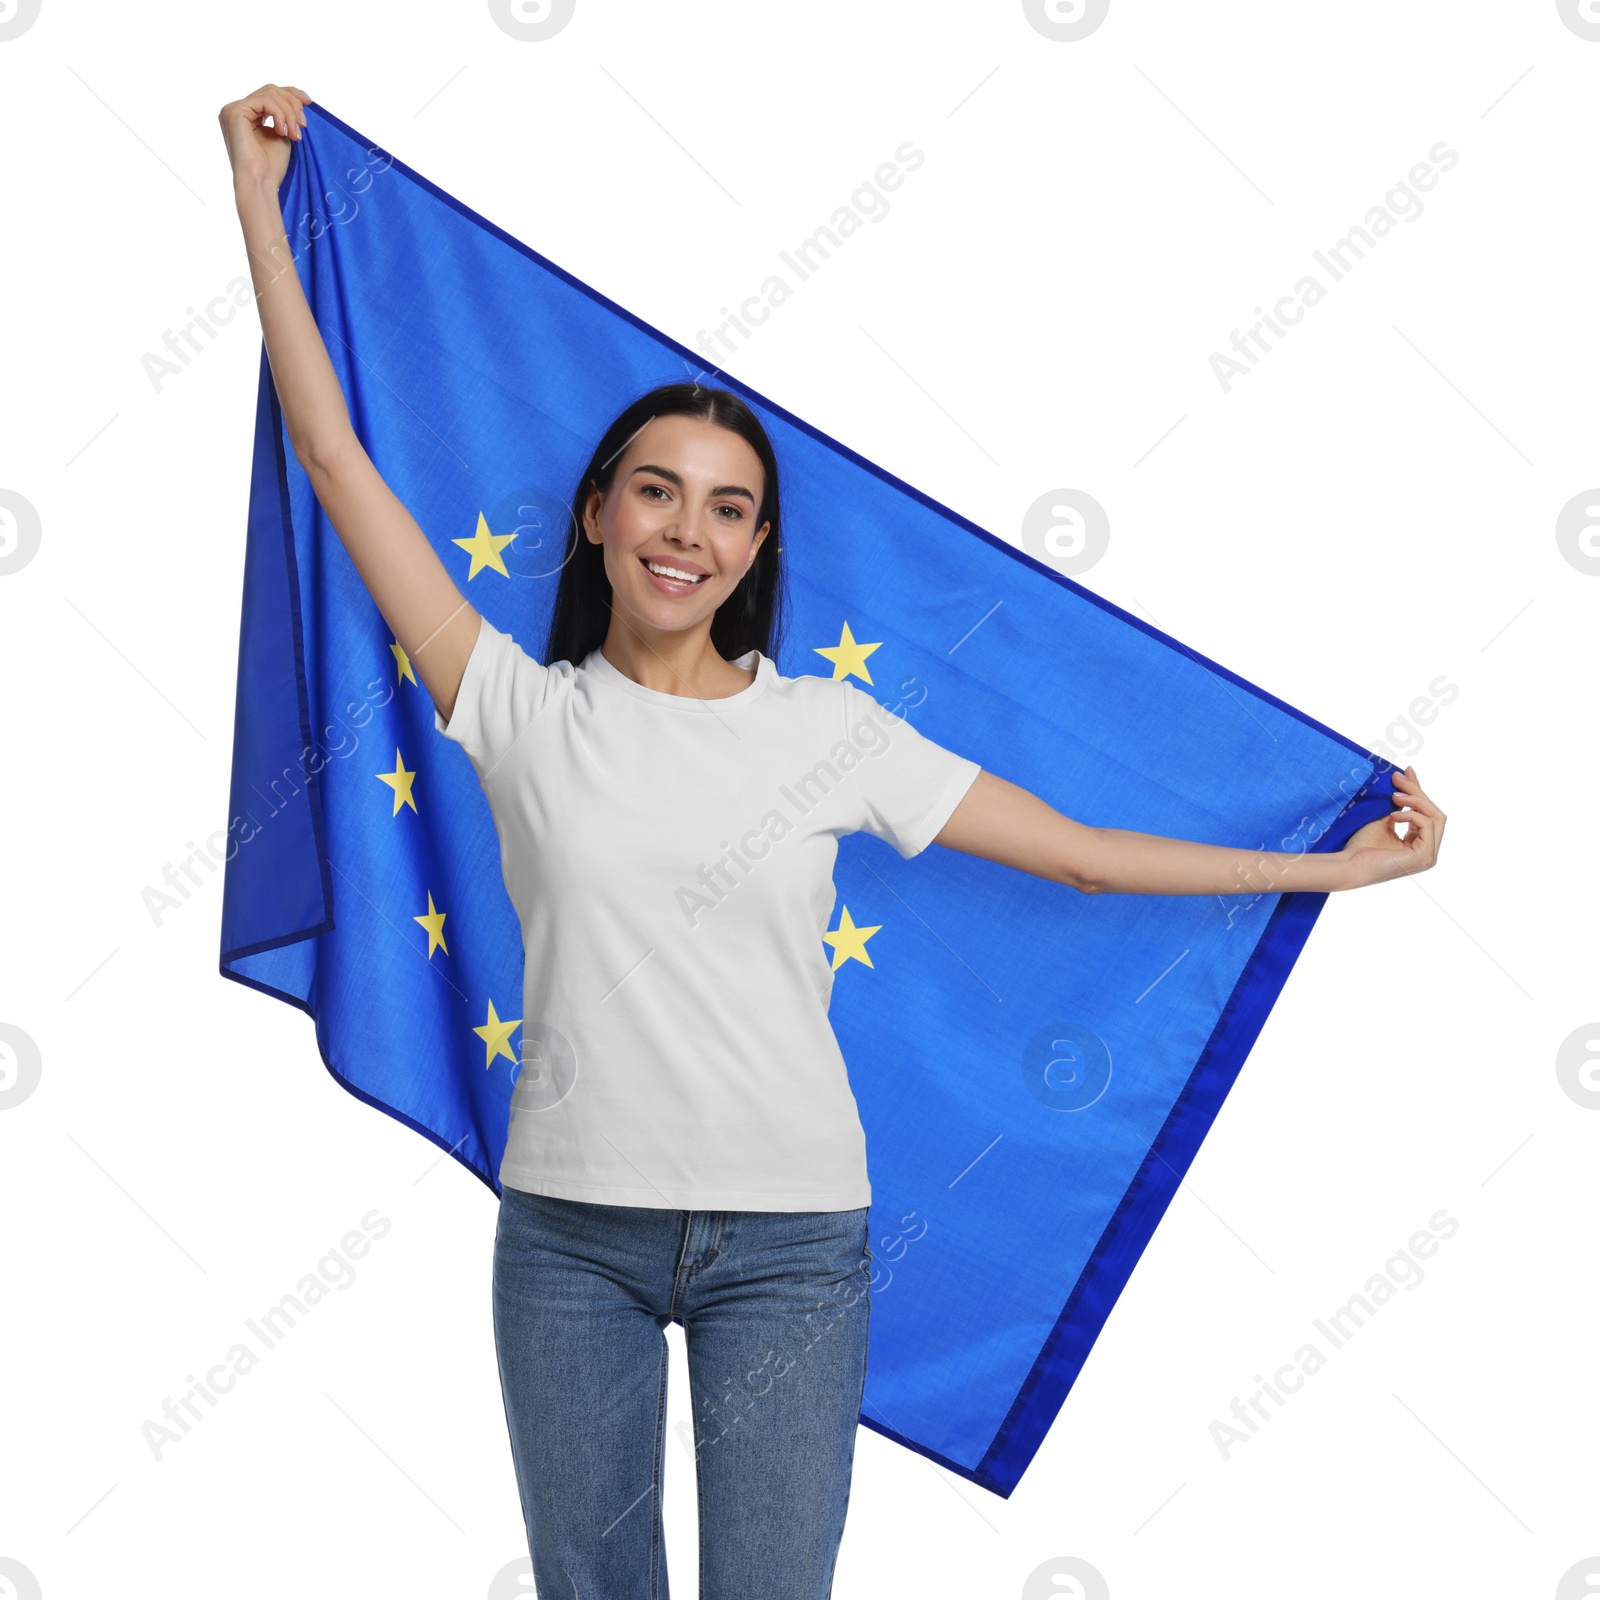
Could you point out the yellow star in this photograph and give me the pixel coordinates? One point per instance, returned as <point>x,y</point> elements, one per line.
<point>848,656</point>
<point>849,942</point>
<point>400,781</point>
<point>484,548</point>
<point>434,923</point>
<point>403,662</point>
<point>495,1033</point>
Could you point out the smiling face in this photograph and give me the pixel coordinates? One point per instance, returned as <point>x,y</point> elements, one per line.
<point>683,501</point>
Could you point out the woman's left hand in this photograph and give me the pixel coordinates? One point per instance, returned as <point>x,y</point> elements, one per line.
<point>1377,853</point>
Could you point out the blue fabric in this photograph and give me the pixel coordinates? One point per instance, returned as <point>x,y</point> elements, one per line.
<point>1035,1068</point>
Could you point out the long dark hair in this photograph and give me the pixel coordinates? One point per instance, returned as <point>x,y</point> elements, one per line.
<point>752,617</point>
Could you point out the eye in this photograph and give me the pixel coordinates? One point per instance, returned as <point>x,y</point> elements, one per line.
<point>646,488</point>
<point>738,512</point>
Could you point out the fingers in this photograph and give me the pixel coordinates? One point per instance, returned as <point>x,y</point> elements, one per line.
<point>297,115</point>
<point>283,103</point>
<point>1419,849</point>
<point>1422,829</point>
<point>1408,792</point>
<point>1423,838</point>
<point>286,115</point>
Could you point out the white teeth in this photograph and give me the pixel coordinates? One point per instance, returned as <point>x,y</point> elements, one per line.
<point>673,572</point>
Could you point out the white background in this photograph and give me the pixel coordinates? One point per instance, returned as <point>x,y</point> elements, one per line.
<point>1372,507</point>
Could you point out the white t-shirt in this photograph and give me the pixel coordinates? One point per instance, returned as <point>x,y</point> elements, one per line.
<point>670,860</point>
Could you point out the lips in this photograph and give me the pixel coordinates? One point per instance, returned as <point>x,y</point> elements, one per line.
<point>673,585</point>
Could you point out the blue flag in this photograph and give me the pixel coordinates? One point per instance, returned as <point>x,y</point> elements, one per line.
<point>1034,1068</point>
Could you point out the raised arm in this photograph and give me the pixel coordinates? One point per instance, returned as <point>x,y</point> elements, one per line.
<point>1002,822</point>
<point>433,623</point>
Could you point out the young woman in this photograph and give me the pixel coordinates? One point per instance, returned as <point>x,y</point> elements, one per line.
<point>683,1144</point>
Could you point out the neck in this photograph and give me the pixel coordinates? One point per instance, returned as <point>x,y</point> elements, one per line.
<point>676,661</point>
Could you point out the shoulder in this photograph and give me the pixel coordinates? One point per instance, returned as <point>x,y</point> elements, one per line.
<point>505,645</point>
<point>827,710</point>
<point>832,699</point>
<point>502,668</point>
<point>820,688</point>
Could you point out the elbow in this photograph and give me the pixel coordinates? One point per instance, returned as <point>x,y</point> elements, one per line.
<point>1076,876</point>
<point>1076,866</point>
<point>324,458</point>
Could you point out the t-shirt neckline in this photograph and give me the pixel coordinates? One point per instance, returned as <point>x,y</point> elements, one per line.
<point>596,663</point>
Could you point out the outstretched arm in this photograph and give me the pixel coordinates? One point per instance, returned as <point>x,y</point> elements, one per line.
<point>1002,822</point>
<point>410,585</point>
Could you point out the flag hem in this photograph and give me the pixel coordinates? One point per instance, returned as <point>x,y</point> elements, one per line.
<point>1132,1225</point>
<point>285,521</point>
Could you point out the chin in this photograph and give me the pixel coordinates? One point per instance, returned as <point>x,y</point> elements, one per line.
<point>667,617</point>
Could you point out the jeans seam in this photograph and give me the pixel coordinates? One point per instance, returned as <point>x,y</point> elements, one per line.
<point>658,1472</point>
<point>699,1486</point>
<point>850,1466</point>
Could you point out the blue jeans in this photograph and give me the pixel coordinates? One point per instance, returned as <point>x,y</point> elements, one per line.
<point>774,1306</point>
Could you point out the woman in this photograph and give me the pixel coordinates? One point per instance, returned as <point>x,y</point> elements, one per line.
<point>683,1143</point>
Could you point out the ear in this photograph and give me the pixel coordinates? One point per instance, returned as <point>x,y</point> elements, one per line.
<point>592,502</point>
<point>756,544</point>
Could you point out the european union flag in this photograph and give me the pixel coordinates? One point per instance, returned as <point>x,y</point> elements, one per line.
<point>1034,1068</point>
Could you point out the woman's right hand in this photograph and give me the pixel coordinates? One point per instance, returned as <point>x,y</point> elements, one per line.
<point>255,151</point>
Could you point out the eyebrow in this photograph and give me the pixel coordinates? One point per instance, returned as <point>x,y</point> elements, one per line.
<point>673,477</point>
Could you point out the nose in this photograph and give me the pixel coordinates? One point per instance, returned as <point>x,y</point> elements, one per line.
<point>682,530</point>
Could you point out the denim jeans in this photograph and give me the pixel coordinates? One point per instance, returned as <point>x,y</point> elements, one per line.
<point>774,1306</point>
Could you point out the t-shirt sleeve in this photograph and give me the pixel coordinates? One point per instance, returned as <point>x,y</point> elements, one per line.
<point>502,690</point>
<point>907,783</point>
